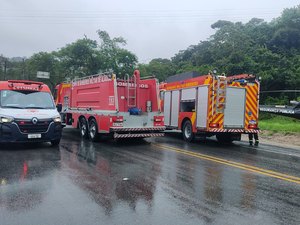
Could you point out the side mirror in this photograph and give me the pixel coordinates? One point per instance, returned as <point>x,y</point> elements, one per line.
<point>59,107</point>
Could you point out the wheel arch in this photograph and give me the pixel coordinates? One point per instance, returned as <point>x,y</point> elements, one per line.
<point>93,129</point>
<point>92,117</point>
<point>79,118</point>
<point>183,121</point>
<point>187,130</point>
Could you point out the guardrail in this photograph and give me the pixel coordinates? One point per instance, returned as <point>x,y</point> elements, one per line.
<point>290,111</point>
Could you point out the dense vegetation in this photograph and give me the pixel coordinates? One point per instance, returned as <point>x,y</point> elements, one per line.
<point>270,50</point>
<point>276,123</point>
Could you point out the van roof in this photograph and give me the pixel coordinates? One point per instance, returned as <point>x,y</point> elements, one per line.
<point>24,85</point>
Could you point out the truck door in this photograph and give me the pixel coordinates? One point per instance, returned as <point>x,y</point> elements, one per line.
<point>202,101</point>
<point>167,107</point>
<point>175,108</point>
<point>234,112</point>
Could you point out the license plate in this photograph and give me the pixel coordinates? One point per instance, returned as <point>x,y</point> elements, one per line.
<point>31,136</point>
<point>117,124</point>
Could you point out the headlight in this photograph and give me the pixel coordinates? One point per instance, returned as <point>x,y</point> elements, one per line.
<point>6,119</point>
<point>57,119</point>
<point>3,182</point>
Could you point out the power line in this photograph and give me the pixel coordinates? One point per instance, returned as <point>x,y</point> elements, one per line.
<point>72,16</point>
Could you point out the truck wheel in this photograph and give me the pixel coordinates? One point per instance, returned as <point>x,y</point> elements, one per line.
<point>55,142</point>
<point>187,131</point>
<point>83,127</point>
<point>224,138</point>
<point>93,130</point>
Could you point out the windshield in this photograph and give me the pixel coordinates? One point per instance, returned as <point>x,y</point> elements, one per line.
<point>26,100</point>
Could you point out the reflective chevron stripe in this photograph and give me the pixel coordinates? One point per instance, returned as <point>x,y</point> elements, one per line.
<point>120,129</point>
<point>217,130</point>
<point>252,131</point>
<point>116,135</point>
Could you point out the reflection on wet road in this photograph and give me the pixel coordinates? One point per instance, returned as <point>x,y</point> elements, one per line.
<point>242,166</point>
<point>157,181</point>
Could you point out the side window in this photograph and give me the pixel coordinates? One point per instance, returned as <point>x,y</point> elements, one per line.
<point>11,98</point>
<point>162,95</point>
<point>66,101</point>
<point>187,106</point>
<point>3,97</point>
<point>187,103</point>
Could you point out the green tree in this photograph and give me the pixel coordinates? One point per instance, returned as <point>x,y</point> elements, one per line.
<point>286,36</point>
<point>80,58</point>
<point>269,50</point>
<point>160,68</point>
<point>46,62</point>
<point>114,57</point>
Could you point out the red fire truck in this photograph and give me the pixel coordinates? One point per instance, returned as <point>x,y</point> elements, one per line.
<point>105,105</point>
<point>212,105</point>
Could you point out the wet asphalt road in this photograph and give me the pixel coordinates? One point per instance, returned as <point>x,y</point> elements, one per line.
<point>156,181</point>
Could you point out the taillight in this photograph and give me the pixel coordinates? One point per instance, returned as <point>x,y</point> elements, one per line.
<point>118,119</point>
<point>214,125</point>
<point>158,120</point>
<point>252,126</point>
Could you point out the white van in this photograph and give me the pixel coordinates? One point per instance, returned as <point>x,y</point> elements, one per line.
<point>28,113</point>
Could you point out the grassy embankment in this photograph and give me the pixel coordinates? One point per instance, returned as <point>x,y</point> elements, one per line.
<point>274,123</point>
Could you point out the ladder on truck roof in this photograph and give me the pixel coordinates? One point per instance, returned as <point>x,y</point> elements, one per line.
<point>106,75</point>
<point>131,90</point>
<point>221,93</point>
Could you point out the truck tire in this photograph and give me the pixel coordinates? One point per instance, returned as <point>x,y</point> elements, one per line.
<point>55,142</point>
<point>93,130</point>
<point>187,131</point>
<point>83,127</point>
<point>224,138</point>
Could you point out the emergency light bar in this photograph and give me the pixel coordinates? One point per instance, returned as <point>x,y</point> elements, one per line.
<point>26,82</point>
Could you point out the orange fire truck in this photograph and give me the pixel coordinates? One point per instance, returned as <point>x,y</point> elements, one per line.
<point>105,105</point>
<point>212,105</point>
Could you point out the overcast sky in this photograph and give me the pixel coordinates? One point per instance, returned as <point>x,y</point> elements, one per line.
<point>152,28</point>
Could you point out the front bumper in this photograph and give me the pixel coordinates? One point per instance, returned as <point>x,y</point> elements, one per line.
<point>10,132</point>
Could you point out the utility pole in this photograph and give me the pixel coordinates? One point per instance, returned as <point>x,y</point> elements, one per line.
<point>5,68</point>
<point>23,69</point>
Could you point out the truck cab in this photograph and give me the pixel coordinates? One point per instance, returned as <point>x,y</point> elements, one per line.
<point>28,113</point>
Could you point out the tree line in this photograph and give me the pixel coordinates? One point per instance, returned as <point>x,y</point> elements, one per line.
<point>82,58</point>
<point>270,50</point>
